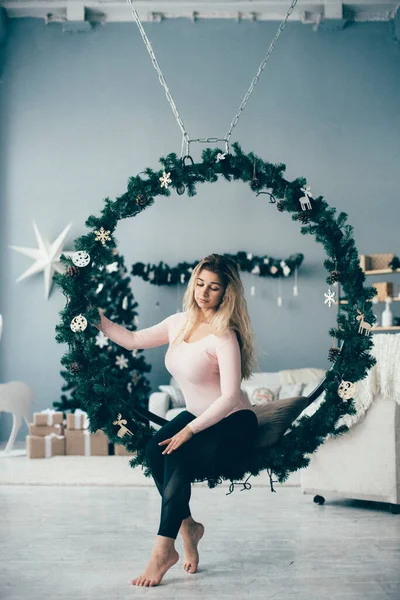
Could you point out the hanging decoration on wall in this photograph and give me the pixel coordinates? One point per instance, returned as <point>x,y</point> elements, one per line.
<point>46,256</point>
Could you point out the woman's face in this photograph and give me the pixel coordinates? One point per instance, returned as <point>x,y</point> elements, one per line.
<point>208,287</point>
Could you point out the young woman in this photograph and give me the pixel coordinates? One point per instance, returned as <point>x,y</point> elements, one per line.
<point>210,352</point>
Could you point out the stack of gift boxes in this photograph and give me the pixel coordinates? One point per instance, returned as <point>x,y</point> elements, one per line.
<point>51,435</point>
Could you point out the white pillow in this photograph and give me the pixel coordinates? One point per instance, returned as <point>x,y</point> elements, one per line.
<point>262,395</point>
<point>290,390</point>
<point>251,388</point>
<point>176,395</point>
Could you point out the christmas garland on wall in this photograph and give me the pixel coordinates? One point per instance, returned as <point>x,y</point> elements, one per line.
<point>262,266</point>
<point>115,414</point>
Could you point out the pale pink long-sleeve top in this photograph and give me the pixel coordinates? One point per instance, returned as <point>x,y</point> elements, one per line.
<point>208,371</point>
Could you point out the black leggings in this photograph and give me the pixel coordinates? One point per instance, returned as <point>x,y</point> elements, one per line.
<point>172,472</point>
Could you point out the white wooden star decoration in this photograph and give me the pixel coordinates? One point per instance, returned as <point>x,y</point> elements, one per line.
<point>47,257</point>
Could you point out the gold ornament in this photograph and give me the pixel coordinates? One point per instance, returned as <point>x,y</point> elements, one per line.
<point>102,236</point>
<point>346,390</point>
<point>123,430</point>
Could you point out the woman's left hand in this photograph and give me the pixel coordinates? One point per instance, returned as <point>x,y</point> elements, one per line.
<point>177,440</point>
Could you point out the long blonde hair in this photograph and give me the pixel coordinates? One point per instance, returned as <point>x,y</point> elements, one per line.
<point>231,312</point>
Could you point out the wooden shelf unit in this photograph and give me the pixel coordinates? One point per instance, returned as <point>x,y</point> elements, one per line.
<point>392,328</point>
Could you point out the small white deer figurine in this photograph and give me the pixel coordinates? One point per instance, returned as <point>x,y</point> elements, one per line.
<point>15,397</point>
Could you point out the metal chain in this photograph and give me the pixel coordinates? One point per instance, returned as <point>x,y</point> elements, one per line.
<point>185,136</point>
<point>260,70</point>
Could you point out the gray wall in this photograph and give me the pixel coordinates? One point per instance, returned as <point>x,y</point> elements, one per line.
<point>80,113</point>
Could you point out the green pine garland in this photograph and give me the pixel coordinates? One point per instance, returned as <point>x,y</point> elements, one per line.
<point>352,363</point>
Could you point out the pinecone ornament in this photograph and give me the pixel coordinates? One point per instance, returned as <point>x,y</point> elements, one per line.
<point>280,205</point>
<point>74,367</point>
<point>141,200</point>
<point>335,276</point>
<point>303,218</point>
<point>333,354</point>
<point>72,271</point>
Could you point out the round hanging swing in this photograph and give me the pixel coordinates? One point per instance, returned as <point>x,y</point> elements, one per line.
<point>282,446</point>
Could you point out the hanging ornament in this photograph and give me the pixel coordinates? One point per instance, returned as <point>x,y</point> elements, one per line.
<point>135,378</point>
<point>255,182</point>
<point>285,268</point>
<point>123,430</point>
<point>141,200</point>
<point>220,156</point>
<point>296,277</point>
<point>81,258</point>
<point>121,361</point>
<point>72,271</point>
<point>305,200</point>
<point>182,277</point>
<point>279,302</point>
<point>333,354</point>
<point>335,276</point>
<point>256,270</point>
<point>280,205</point>
<point>303,218</point>
<point>99,288</point>
<point>249,256</point>
<point>169,277</point>
<point>329,297</point>
<point>165,179</point>
<point>364,327</point>
<point>346,390</point>
<point>151,275</point>
<point>266,261</point>
<point>74,367</point>
<point>125,303</point>
<point>112,267</point>
<point>273,269</point>
<point>101,340</point>
<point>180,189</point>
<point>78,323</point>
<point>102,236</point>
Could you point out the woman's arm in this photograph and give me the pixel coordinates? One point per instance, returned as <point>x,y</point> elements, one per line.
<point>157,335</point>
<point>230,369</point>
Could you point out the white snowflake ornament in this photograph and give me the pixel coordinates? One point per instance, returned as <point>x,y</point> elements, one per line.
<point>102,236</point>
<point>329,297</point>
<point>78,323</point>
<point>101,340</point>
<point>81,258</point>
<point>121,361</point>
<point>165,179</point>
<point>112,268</point>
<point>220,156</point>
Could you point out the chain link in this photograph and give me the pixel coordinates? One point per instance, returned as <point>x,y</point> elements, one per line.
<point>186,141</point>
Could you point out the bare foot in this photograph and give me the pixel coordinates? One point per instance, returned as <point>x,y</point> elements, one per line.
<point>191,535</point>
<point>159,563</point>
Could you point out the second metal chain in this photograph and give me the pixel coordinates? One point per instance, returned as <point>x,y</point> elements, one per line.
<point>185,136</point>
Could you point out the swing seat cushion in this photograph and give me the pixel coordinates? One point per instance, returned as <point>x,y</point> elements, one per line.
<point>276,417</point>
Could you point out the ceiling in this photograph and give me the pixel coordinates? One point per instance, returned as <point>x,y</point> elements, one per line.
<point>307,11</point>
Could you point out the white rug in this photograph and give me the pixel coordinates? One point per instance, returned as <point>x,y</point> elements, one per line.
<point>17,469</point>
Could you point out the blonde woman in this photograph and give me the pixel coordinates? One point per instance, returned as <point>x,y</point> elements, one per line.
<point>210,352</point>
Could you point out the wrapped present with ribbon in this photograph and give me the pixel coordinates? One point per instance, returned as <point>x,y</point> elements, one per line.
<point>45,446</point>
<point>49,416</point>
<point>42,430</point>
<point>78,420</point>
<point>81,442</point>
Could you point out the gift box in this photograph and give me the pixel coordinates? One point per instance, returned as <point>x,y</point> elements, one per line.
<point>46,446</point>
<point>374,262</point>
<point>81,442</point>
<point>42,430</point>
<point>77,420</point>
<point>384,289</point>
<point>120,450</point>
<point>48,417</point>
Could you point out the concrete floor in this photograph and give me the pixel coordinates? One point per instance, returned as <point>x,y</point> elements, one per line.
<point>84,543</point>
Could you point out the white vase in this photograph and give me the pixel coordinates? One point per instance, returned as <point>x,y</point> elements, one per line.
<point>387,315</point>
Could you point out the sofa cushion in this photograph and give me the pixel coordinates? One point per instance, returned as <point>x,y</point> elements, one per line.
<point>262,395</point>
<point>275,418</point>
<point>175,394</point>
